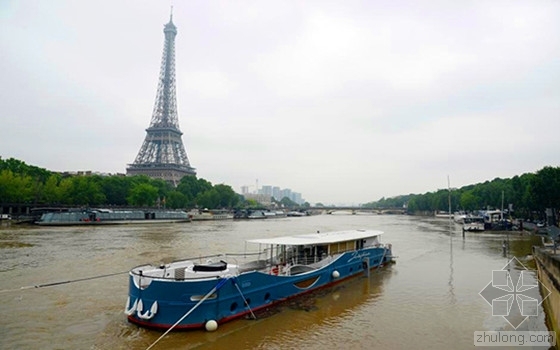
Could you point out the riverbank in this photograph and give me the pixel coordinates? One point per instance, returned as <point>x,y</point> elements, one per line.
<point>548,268</point>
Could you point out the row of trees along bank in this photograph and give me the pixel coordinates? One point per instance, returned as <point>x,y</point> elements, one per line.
<point>530,194</point>
<point>26,184</point>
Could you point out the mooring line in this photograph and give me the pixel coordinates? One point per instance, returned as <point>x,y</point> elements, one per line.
<point>62,282</point>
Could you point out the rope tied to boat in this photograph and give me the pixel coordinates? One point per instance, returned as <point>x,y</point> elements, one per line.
<point>212,291</point>
<point>43,285</point>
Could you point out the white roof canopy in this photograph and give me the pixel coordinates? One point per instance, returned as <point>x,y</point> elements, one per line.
<point>319,238</point>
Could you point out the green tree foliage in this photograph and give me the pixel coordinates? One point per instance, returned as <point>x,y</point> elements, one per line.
<point>227,196</point>
<point>175,200</point>
<point>251,203</point>
<point>528,193</point>
<point>546,187</point>
<point>469,201</point>
<point>191,187</point>
<point>51,192</point>
<point>82,190</point>
<point>208,199</point>
<point>15,188</point>
<point>22,183</point>
<point>116,189</point>
<point>288,203</point>
<point>143,195</point>
<point>20,168</point>
<point>393,202</point>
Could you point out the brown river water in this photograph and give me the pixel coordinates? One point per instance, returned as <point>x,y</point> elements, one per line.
<point>427,300</point>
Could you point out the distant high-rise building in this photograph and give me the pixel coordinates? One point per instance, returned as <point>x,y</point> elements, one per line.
<point>267,190</point>
<point>296,197</point>
<point>163,154</point>
<point>286,192</point>
<point>276,193</point>
<point>261,198</point>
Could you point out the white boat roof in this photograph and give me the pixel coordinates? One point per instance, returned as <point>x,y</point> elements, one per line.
<point>319,238</point>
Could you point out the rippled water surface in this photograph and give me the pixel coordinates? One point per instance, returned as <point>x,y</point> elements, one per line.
<point>427,300</point>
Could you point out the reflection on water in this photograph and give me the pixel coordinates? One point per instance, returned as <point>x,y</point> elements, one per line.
<point>451,285</point>
<point>296,322</point>
<point>428,299</point>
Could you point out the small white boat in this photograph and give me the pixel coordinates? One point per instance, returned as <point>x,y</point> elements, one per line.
<point>257,214</point>
<point>205,214</point>
<point>443,215</point>
<point>473,223</point>
<point>547,242</point>
<point>459,217</point>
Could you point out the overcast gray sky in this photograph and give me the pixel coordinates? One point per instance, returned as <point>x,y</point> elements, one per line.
<point>343,101</point>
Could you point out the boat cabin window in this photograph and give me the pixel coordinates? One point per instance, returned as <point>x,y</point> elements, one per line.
<point>371,241</point>
<point>360,243</point>
<point>341,247</point>
<point>306,254</point>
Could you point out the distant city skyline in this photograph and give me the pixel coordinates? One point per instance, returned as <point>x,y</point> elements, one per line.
<point>275,192</point>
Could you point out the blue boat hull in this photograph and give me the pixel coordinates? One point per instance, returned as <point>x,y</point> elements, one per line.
<point>164,302</point>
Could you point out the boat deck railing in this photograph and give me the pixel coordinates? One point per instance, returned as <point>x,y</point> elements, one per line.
<point>244,262</point>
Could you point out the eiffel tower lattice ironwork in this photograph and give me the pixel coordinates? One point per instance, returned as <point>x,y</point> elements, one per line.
<point>163,154</point>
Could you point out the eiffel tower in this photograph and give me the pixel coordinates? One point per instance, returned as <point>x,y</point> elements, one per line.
<point>163,155</point>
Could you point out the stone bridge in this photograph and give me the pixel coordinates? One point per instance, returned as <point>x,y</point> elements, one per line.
<point>359,210</point>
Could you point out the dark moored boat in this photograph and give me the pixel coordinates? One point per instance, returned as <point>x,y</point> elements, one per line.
<point>111,217</point>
